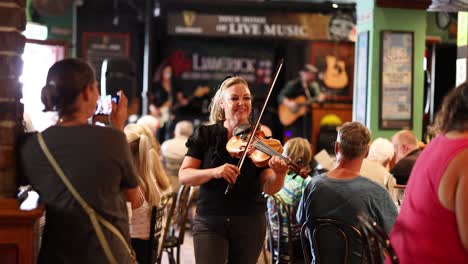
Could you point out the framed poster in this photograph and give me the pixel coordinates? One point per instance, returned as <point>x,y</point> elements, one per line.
<point>98,46</point>
<point>335,63</point>
<point>362,65</point>
<point>396,80</point>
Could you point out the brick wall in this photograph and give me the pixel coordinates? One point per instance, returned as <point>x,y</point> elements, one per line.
<point>12,22</point>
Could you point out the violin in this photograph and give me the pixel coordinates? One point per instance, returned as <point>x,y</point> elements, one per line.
<point>261,149</point>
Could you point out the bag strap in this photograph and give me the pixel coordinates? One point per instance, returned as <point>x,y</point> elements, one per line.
<point>93,215</point>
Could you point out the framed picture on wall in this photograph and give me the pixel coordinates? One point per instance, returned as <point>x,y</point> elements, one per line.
<point>98,46</point>
<point>362,65</point>
<point>335,62</point>
<point>396,80</point>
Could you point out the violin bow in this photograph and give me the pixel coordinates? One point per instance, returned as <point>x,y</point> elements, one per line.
<point>257,123</point>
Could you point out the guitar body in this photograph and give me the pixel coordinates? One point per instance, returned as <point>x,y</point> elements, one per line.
<point>164,113</point>
<point>287,116</point>
<point>335,76</point>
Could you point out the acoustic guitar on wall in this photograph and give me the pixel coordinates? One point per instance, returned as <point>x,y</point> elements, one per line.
<point>288,115</point>
<point>335,76</point>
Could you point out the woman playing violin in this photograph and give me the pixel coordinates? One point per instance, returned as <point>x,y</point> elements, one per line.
<point>299,151</point>
<point>228,228</point>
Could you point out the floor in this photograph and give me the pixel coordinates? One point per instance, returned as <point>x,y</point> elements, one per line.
<point>187,255</point>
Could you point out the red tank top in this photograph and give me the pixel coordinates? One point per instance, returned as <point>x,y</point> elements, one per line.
<point>425,231</point>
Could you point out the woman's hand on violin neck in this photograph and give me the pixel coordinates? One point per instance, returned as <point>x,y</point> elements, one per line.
<point>273,177</point>
<point>279,166</point>
<point>229,172</point>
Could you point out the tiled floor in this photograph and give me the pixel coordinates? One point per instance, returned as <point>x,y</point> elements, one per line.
<point>186,254</point>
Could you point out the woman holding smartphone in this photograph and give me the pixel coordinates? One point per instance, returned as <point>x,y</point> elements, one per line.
<point>96,161</point>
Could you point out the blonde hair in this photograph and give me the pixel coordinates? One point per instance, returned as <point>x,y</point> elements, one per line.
<point>216,112</point>
<point>299,151</point>
<point>152,176</point>
<point>353,139</point>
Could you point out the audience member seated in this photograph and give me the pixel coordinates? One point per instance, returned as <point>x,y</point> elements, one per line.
<point>377,164</point>
<point>174,150</point>
<point>147,195</point>
<point>299,151</point>
<point>162,180</point>
<point>95,160</point>
<point>407,150</point>
<point>432,226</point>
<point>327,132</point>
<point>342,193</point>
<point>150,122</point>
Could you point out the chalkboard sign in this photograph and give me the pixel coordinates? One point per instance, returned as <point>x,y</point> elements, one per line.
<point>98,46</point>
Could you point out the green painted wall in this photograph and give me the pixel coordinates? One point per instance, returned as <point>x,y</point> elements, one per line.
<point>392,19</point>
<point>59,26</point>
<point>433,30</point>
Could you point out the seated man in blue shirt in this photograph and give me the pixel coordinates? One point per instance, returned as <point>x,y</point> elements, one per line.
<point>342,193</point>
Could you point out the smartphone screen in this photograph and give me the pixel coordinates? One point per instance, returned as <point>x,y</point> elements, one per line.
<point>104,105</point>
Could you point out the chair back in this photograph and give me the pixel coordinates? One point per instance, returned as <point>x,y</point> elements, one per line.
<point>282,219</point>
<point>157,214</point>
<point>168,201</point>
<point>332,240</point>
<point>184,197</point>
<point>376,241</point>
<point>400,193</point>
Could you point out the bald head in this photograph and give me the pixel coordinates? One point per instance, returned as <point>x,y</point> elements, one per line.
<point>183,128</point>
<point>404,142</point>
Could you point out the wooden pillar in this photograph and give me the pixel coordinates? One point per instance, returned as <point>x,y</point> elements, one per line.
<point>12,23</point>
<point>18,239</point>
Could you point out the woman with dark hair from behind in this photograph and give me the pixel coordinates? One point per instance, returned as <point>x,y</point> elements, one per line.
<point>96,160</point>
<point>432,226</point>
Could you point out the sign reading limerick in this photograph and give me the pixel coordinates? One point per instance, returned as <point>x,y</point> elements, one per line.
<point>292,26</point>
<point>396,94</point>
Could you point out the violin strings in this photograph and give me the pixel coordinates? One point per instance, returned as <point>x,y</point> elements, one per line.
<point>262,146</point>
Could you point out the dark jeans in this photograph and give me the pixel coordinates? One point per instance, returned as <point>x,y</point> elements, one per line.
<point>141,248</point>
<point>233,239</point>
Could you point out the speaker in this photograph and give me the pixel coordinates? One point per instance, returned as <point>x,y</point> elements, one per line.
<point>118,74</point>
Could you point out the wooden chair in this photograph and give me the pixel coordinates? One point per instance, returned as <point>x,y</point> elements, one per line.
<point>282,219</point>
<point>157,214</point>
<point>168,201</point>
<point>348,234</point>
<point>376,240</point>
<point>400,189</point>
<point>175,237</point>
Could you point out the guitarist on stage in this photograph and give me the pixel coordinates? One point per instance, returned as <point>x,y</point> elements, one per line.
<point>295,101</point>
<point>164,94</point>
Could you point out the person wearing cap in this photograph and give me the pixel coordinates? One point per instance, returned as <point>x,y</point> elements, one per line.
<point>305,88</point>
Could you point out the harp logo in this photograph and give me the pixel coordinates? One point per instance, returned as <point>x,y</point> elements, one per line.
<point>189,18</point>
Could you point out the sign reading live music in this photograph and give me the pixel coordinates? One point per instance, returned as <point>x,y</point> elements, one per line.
<point>291,26</point>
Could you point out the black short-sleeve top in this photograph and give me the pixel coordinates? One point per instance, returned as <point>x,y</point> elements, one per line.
<point>208,144</point>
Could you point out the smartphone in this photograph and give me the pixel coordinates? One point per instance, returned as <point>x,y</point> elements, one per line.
<point>104,105</point>
<point>115,99</point>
